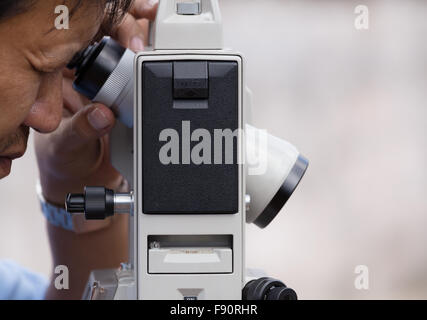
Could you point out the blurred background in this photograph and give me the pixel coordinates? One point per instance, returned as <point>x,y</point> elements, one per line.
<point>354,103</point>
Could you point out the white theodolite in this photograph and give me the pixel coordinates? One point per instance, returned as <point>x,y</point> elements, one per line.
<point>198,171</point>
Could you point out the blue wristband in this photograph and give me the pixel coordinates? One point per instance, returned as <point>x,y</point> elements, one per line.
<point>57,216</point>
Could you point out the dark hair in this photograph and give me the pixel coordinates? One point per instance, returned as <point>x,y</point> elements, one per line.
<point>10,8</point>
<point>115,9</point>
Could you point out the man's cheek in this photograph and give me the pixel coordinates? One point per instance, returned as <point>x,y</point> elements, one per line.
<point>15,105</point>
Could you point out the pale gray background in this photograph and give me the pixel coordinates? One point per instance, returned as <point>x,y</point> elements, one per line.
<point>354,103</point>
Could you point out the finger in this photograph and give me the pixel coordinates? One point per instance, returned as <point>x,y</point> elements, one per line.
<point>130,34</point>
<point>73,101</point>
<point>144,9</point>
<point>92,122</point>
<point>145,25</point>
<point>84,129</point>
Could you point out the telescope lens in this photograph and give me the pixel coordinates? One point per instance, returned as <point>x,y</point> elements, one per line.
<point>284,193</point>
<point>279,169</point>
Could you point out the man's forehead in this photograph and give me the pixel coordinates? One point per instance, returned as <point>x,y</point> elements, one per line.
<point>81,29</point>
<point>34,33</point>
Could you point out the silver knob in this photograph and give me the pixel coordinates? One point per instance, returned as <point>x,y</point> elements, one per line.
<point>123,202</point>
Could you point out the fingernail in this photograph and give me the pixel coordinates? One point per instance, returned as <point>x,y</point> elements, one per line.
<point>136,44</point>
<point>98,120</point>
<point>152,3</point>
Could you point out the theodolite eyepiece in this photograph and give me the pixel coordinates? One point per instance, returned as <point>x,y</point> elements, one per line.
<point>104,73</point>
<point>94,66</point>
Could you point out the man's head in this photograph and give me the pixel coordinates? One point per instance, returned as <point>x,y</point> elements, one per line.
<point>32,56</point>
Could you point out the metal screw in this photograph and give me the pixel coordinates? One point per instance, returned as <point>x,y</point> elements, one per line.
<point>154,245</point>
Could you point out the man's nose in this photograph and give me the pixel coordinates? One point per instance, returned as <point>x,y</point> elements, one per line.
<point>46,113</point>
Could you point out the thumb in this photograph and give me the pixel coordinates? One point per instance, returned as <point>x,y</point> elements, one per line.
<point>88,125</point>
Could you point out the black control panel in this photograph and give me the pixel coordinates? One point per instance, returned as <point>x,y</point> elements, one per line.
<point>189,137</point>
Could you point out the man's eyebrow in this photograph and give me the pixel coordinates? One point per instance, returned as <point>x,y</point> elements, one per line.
<point>63,56</point>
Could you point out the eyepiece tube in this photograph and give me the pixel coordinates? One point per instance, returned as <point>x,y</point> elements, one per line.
<point>104,73</point>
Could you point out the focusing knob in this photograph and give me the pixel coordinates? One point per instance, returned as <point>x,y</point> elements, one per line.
<point>268,289</point>
<point>97,203</point>
<point>75,203</point>
<point>282,293</point>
